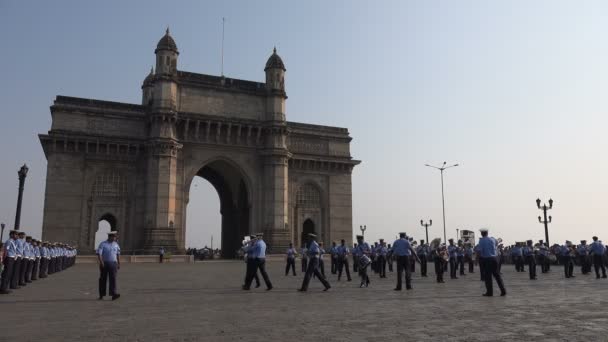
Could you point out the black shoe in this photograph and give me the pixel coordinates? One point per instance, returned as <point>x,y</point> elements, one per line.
<point>327,288</point>
<point>503,293</point>
<point>301,290</point>
<point>115,296</point>
<point>397,289</point>
<point>15,288</point>
<point>269,288</point>
<point>487,295</point>
<point>5,292</point>
<point>257,285</point>
<point>349,279</point>
<point>245,288</point>
<point>100,298</point>
<point>604,276</point>
<point>409,288</point>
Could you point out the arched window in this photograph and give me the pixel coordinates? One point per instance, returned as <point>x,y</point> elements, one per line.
<point>308,196</point>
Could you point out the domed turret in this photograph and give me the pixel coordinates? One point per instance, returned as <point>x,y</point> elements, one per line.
<point>166,55</point>
<point>275,61</point>
<point>275,73</point>
<point>148,88</point>
<point>166,43</point>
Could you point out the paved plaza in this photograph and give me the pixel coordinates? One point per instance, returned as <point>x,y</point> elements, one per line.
<point>204,302</point>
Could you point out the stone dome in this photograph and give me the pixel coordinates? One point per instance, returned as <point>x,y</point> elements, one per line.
<point>274,61</point>
<point>167,43</point>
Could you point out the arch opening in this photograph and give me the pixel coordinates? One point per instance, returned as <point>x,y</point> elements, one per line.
<point>234,207</point>
<point>106,224</point>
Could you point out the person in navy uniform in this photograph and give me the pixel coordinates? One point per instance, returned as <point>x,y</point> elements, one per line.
<point>259,248</point>
<point>45,259</point>
<point>161,254</point>
<point>517,257</point>
<point>597,251</point>
<point>528,252</point>
<point>460,257</point>
<point>566,253</point>
<point>291,260</point>
<point>363,248</point>
<point>381,253</point>
<point>334,258</point>
<point>342,252</point>
<point>36,252</point>
<point>108,255</point>
<point>21,263</point>
<point>29,253</point>
<point>9,260</point>
<point>423,253</point>
<point>249,251</point>
<point>304,253</point>
<point>468,256</point>
<point>354,252</point>
<point>403,251</point>
<point>313,265</point>
<point>453,253</point>
<point>321,261</point>
<point>389,257</point>
<point>489,263</point>
<point>543,257</point>
<point>582,251</point>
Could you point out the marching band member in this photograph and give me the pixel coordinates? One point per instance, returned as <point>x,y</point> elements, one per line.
<point>342,253</point>
<point>381,253</point>
<point>582,251</point>
<point>389,257</point>
<point>334,257</point>
<point>423,252</point>
<point>598,250</point>
<point>453,253</point>
<point>440,257</point>
<point>543,257</point>
<point>363,251</point>
<point>468,256</point>
<point>460,257</point>
<point>314,252</point>
<point>355,254</point>
<point>403,251</point>
<point>291,260</point>
<point>489,263</point>
<point>304,253</point>
<point>566,253</point>
<point>528,252</point>
<point>249,251</point>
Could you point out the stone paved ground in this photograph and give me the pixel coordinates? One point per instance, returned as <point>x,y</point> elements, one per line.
<point>203,302</point>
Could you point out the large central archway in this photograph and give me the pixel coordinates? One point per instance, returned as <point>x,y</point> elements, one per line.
<point>233,192</point>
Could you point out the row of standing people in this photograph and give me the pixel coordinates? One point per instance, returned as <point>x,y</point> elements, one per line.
<point>587,255</point>
<point>25,259</point>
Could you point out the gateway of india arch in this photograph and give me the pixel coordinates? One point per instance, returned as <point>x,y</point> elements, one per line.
<point>132,164</point>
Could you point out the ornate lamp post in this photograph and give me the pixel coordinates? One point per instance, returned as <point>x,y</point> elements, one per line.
<point>442,168</point>
<point>22,174</point>
<point>363,229</point>
<point>2,233</point>
<point>546,220</point>
<point>426,227</point>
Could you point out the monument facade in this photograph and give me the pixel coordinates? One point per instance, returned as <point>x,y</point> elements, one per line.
<point>132,164</point>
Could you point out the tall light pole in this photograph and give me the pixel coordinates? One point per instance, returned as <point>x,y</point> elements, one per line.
<point>363,229</point>
<point>547,220</point>
<point>441,169</point>
<point>426,227</point>
<point>22,174</point>
<point>2,233</point>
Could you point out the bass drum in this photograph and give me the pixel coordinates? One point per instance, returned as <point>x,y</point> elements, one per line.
<point>364,261</point>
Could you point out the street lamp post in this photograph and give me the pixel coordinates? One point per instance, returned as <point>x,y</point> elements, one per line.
<point>547,219</point>
<point>22,174</point>
<point>426,227</point>
<point>363,229</point>
<point>2,233</point>
<point>441,169</point>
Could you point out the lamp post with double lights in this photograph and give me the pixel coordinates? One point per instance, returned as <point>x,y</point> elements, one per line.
<point>441,169</point>
<point>363,229</point>
<point>426,227</point>
<point>22,174</point>
<point>547,219</point>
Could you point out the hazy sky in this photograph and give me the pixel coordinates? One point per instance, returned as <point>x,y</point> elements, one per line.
<point>514,91</point>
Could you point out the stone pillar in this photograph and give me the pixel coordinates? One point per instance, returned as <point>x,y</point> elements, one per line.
<point>161,185</point>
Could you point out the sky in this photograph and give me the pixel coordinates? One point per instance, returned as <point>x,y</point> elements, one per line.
<point>512,91</point>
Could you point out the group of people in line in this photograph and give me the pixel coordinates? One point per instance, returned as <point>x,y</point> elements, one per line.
<point>25,259</point>
<point>488,254</point>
